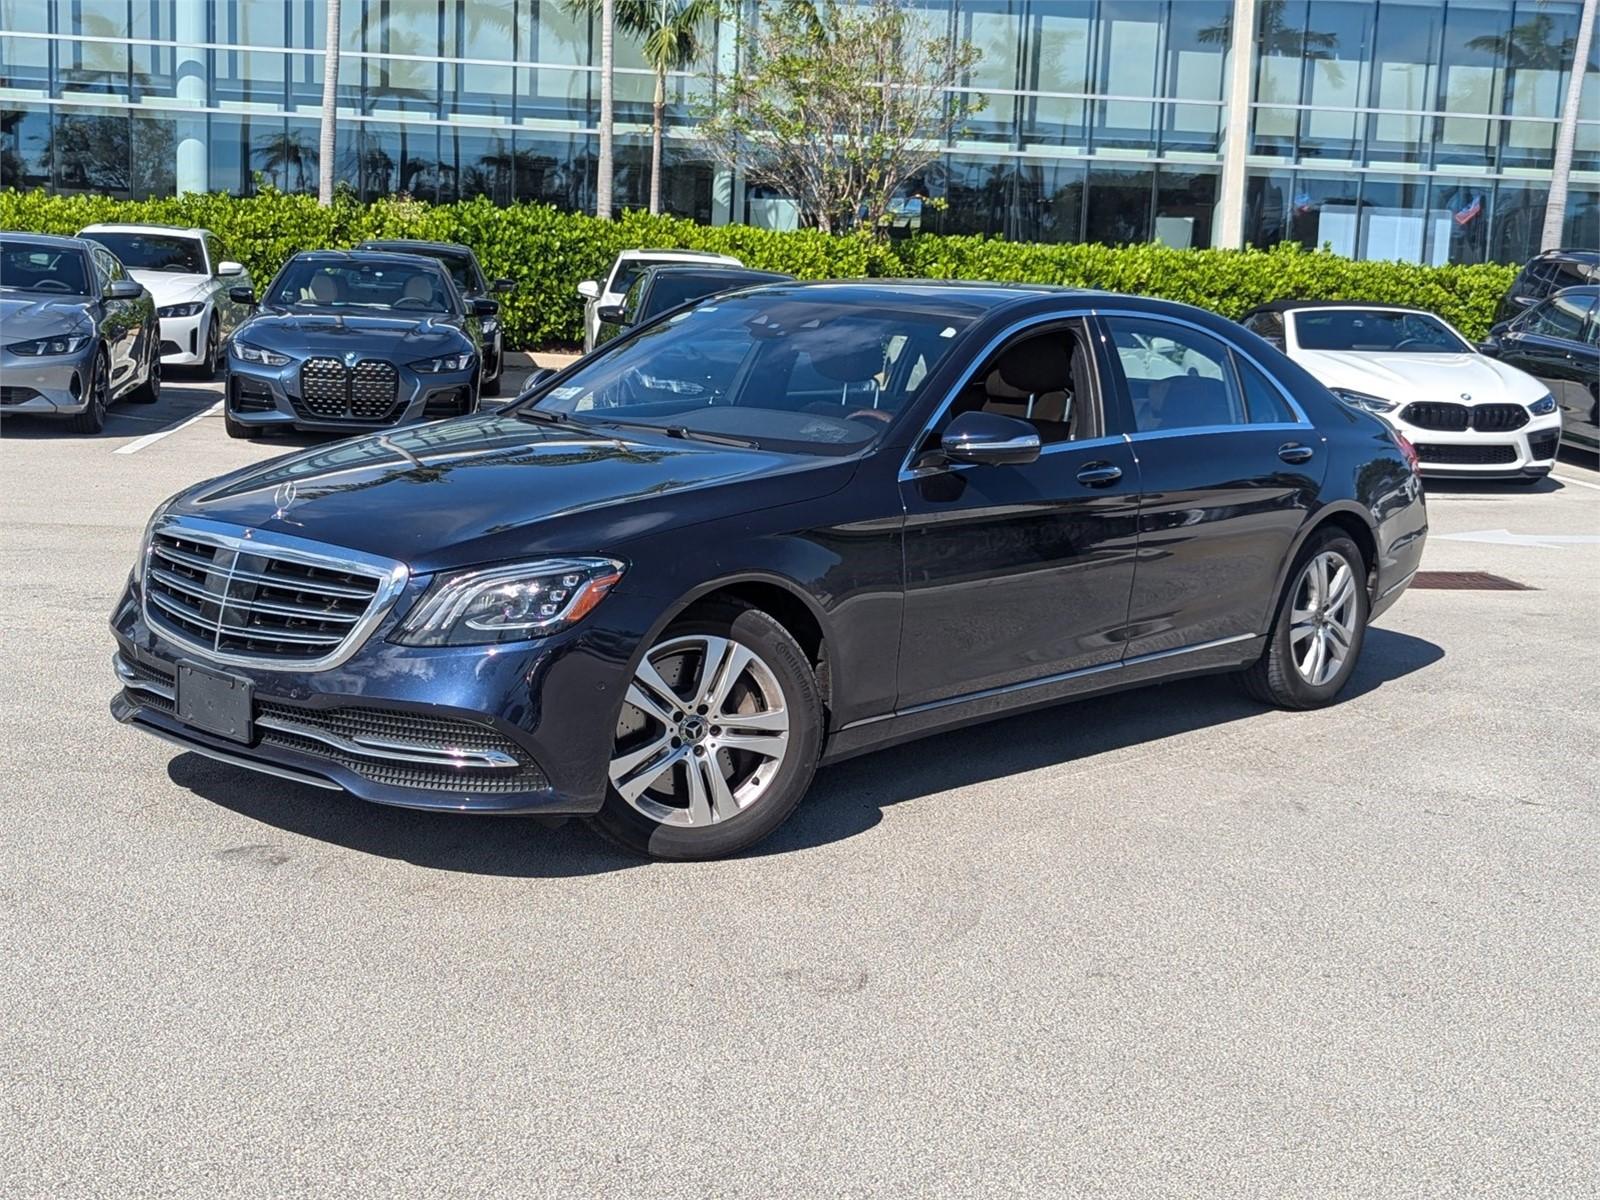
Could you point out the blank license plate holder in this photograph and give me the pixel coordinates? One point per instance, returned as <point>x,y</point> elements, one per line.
<point>216,702</point>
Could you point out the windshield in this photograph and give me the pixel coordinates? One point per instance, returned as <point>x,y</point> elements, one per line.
<point>36,267</point>
<point>777,371</point>
<point>1376,331</point>
<point>155,251</point>
<point>390,284</point>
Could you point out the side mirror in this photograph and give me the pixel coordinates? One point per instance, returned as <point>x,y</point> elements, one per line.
<point>589,289</point>
<point>229,267</point>
<point>483,307</point>
<point>503,285</point>
<point>1490,346</point>
<point>535,380</point>
<point>990,439</point>
<point>242,294</point>
<point>124,289</point>
<point>614,314</point>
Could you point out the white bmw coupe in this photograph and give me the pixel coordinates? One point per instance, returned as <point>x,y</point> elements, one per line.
<point>1469,416</point>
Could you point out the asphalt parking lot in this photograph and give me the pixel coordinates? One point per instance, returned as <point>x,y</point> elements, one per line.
<point>1166,943</point>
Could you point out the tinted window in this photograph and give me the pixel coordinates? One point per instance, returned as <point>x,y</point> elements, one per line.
<point>109,265</point>
<point>1375,331</point>
<point>672,290</point>
<point>394,284</point>
<point>1559,317</point>
<point>813,375</point>
<point>1178,378</point>
<point>1268,324</point>
<point>32,267</point>
<point>155,252</point>
<point>1263,401</point>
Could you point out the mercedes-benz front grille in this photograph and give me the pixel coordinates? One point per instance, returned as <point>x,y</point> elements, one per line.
<point>245,598</point>
<point>330,391</point>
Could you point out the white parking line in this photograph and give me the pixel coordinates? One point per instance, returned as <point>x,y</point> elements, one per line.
<point>138,444</point>
<point>1578,482</point>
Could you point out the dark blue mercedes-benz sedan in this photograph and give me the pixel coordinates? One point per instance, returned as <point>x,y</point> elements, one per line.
<point>776,529</point>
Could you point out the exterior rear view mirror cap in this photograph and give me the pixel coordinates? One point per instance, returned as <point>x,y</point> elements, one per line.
<point>989,439</point>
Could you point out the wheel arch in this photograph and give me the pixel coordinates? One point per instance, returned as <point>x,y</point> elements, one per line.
<point>1347,516</point>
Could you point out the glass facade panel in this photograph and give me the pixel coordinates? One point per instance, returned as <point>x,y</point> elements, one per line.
<point>1415,129</point>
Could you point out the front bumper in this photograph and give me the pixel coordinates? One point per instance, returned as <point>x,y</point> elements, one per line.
<point>1470,454</point>
<point>51,385</point>
<point>420,728</point>
<point>270,398</point>
<point>183,339</point>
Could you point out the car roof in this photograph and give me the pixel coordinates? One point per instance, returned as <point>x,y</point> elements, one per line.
<point>115,227</point>
<point>45,239</point>
<point>389,256</point>
<point>713,271</point>
<point>398,245</point>
<point>684,255</point>
<point>1588,257</point>
<point>1283,306</point>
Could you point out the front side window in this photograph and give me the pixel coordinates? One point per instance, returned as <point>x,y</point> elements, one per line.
<point>110,267</point>
<point>1375,331</point>
<point>1178,378</point>
<point>1043,378</point>
<point>1559,317</point>
<point>155,252</point>
<point>1268,325</point>
<point>306,283</point>
<point>35,267</point>
<point>786,372</point>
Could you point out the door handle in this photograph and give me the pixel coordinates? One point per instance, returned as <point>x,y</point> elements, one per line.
<point>1294,452</point>
<point>1099,474</point>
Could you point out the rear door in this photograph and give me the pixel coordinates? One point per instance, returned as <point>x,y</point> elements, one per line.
<point>1551,343</point>
<point>1229,469</point>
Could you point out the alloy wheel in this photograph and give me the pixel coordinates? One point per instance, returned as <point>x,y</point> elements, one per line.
<point>703,733</point>
<point>1322,617</point>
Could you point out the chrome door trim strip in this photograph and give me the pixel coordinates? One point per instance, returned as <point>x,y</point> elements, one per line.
<point>1046,680</point>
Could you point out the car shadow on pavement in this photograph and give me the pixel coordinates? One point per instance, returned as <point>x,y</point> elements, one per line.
<point>849,798</point>
<point>845,800</point>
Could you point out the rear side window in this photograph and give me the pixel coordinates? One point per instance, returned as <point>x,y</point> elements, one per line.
<point>1178,378</point>
<point>1268,325</point>
<point>1263,401</point>
<point>1560,317</point>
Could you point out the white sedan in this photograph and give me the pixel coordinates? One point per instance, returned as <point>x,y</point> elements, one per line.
<point>184,271</point>
<point>1469,416</point>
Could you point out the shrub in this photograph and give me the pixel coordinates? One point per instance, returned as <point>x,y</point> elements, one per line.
<point>548,252</point>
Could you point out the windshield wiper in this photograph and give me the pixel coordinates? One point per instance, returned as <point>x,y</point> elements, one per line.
<point>682,432</point>
<point>543,416</point>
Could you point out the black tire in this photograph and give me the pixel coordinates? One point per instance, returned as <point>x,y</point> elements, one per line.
<point>93,418</point>
<point>238,429</point>
<point>491,385</point>
<point>149,391</point>
<point>213,362</point>
<point>802,701</point>
<point>1276,678</point>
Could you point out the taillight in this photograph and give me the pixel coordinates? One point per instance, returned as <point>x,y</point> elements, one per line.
<point>1406,448</point>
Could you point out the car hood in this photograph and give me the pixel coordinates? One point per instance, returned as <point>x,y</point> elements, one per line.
<point>491,488</point>
<point>337,331</point>
<point>27,316</point>
<point>170,287</point>
<point>1405,377</point>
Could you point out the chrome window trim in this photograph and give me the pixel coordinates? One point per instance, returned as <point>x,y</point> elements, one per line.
<point>1201,430</point>
<point>391,578</point>
<point>1294,405</point>
<point>978,359</point>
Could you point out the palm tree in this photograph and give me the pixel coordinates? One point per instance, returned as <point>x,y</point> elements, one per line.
<point>602,174</point>
<point>330,105</point>
<point>670,34</point>
<point>1555,211</point>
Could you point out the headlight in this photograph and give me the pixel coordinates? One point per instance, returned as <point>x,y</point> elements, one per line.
<point>509,604</point>
<point>245,352</point>
<point>181,310</point>
<point>448,362</point>
<point>1361,400</point>
<point>1543,406</point>
<point>69,344</point>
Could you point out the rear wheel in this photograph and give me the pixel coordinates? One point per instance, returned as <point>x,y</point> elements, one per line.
<point>717,740</point>
<point>1321,623</point>
<point>93,418</point>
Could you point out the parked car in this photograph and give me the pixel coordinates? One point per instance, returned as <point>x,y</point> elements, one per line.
<point>186,273</point>
<point>624,271</point>
<point>473,285</point>
<point>76,333</point>
<point>1469,416</point>
<point>351,340</point>
<point>660,289</point>
<point>800,523</point>
<point>1558,342</point>
<point>1544,275</point>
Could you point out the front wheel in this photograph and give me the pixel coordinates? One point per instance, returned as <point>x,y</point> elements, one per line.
<point>93,418</point>
<point>717,740</point>
<point>1320,625</point>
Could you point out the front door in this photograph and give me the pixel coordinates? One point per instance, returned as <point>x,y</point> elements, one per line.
<point>1229,469</point>
<point>1018,573</point>
<point>1556,344</point>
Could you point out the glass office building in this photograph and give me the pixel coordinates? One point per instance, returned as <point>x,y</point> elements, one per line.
<point>1415,129</point>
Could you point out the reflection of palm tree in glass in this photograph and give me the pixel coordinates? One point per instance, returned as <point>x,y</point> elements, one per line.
<point>283,152</point>
<point>1530,46</point>
<point>1278,37</point>
<point>411,84</point>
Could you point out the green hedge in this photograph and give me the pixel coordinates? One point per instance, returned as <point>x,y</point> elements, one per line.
<point>548,251</point>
